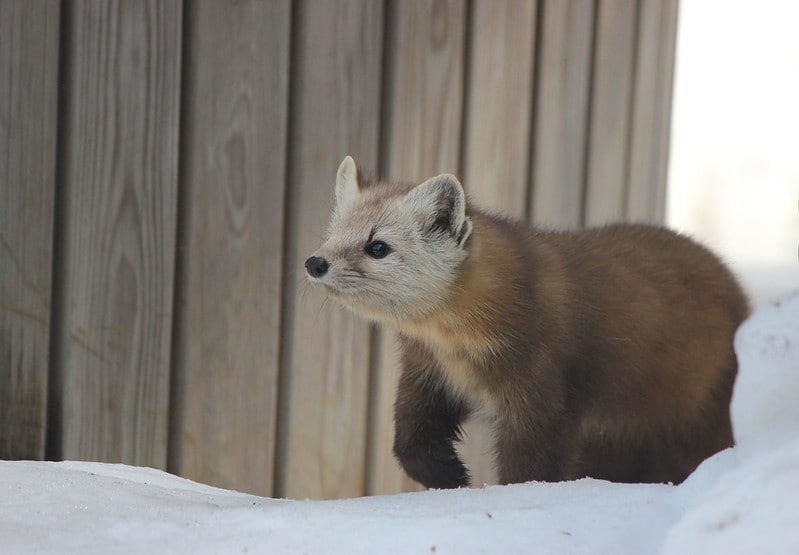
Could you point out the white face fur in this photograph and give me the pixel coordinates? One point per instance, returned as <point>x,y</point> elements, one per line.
<point>392,251</point>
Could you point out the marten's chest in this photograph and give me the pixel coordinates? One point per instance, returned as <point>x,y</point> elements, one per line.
<point>461,353</point>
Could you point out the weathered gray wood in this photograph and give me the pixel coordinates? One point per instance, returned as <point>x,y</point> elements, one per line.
<point>650,129</point>
<point>562,89</point>
<point>426,89</point>
<point>611,108</point>
<point>119,187</point>
<point>336,105</point>
<point>28,98</point>
<point>497,143</point>
<point>423,130</point>
<point>228,304</point>
<point>498,114</point>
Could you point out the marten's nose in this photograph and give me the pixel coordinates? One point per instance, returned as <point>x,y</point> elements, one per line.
<point>316,267</point>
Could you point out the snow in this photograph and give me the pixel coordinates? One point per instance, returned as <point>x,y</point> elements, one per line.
<point>765,402</point>
<point>751,509</point>
<point>97,508</point>
<point>742,500</point>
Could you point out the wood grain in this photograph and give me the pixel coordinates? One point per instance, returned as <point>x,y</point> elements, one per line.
<point>423,129</point>
<point>336,77</point>
<point>611,112</point>
<point>119,187</point>
<point>651,117</point>
<point>562,88</point>
<point>498,112</point>
<point>28,98</point>
<point>228,303</point>
<point>497,143</point>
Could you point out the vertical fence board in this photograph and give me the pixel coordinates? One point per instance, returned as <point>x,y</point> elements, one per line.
<point>497,142</point>
<point>424,104</point>
<point>228,301</point>
<point>611,106</point>
<point>426,89</point>
<point>562,89</point>
<point>335,112</point>
<point>28,98</point>
<point>119,179</point>
<point>649,137</point>
<point>498,114</point>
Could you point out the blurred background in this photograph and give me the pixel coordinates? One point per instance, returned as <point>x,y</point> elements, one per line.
<point>734,170</point>
<point>168,165</point>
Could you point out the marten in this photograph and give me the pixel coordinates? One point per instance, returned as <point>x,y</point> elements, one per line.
<point>604,353</point>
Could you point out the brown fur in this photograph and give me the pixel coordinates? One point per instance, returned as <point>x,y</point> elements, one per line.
<point>604,353</point>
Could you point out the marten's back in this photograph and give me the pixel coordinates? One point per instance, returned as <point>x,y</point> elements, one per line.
<point>652,315</point>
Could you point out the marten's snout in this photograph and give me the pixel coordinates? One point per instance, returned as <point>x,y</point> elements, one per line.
<point>316,266</point>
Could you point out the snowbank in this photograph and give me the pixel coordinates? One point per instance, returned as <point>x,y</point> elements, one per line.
<point>765,401</point>
<point>97,508</point>
<point>743,500</point>
<point>754,508</point>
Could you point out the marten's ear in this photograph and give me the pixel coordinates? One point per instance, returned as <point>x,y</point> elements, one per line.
<point>441,203</point>
<point>347,186</point>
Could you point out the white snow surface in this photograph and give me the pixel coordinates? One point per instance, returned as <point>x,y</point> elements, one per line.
<point>742,500</point>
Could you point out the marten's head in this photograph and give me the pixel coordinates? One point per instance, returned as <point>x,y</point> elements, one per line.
<point>392,250</point>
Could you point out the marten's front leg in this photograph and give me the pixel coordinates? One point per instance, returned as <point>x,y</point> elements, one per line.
<point>523,456</point>
<point>533,428</point>
<point>427,423</point>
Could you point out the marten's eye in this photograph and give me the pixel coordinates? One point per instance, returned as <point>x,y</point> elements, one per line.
<point>377,249</point>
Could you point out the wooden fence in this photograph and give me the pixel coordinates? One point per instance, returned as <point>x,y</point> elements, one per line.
<point>167,166</point>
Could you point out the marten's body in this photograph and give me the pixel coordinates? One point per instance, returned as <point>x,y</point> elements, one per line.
<point>604,353</point>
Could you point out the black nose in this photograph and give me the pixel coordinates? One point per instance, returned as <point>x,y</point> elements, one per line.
<point>316,267</point>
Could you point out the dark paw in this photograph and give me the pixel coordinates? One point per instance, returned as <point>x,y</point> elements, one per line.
<point>434,465</point>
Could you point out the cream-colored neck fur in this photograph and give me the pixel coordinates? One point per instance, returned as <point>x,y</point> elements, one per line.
<point>467,322</point>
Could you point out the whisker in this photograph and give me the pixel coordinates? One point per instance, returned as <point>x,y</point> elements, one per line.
<point>323,306</point>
